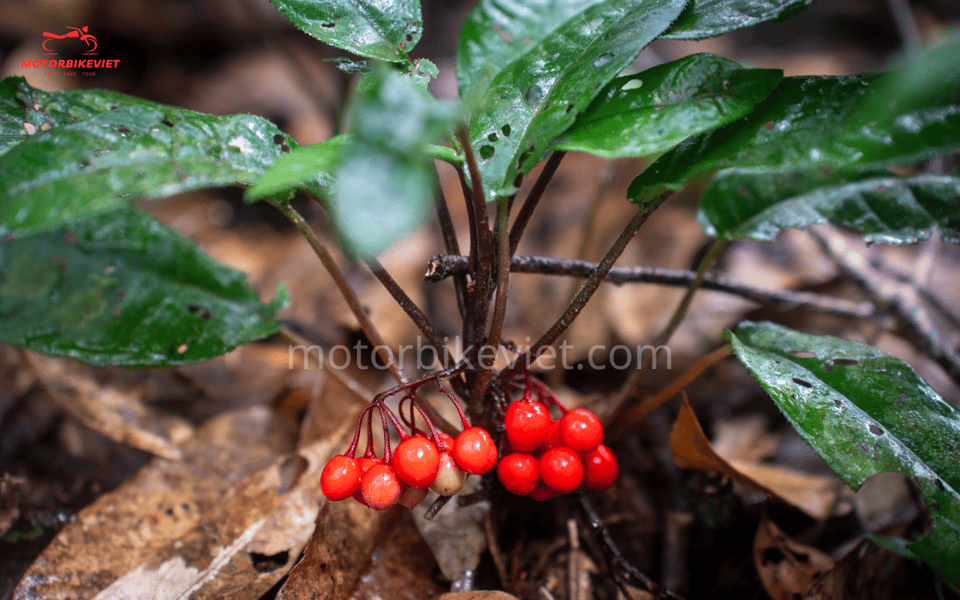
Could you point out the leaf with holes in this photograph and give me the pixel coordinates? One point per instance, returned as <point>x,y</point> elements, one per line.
<point>539,83</point>
<point>120,288</point>
<point>707,18</point>
<point>758,203</point>
<point>656,109</point>
<point>810,122</point>
<point>105,149</point>
<point>865,412</point>
<point>385,182</point>
<point>383,29</point>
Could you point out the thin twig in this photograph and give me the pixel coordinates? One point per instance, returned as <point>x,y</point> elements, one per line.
<point>533,198</point>
<point>345,290</point>
<point>619,566</point>
<point>445,266</point>
<point>410,307</point>
<point>586,292</point>
<point>681,311</point>
<point>451,246</point>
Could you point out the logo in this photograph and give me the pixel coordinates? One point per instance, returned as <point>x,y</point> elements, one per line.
<point>69,43</point>
<point>77,32</point>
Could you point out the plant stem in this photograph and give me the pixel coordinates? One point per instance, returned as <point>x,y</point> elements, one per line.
<point>681,311</point>
<point>410,307</point>
<point>631,387</point>
<point>345,290</point>
<point>452,246</point>
<point>445,266</point>
<point>481,255</point>
<point>482,381</point>
<point>586,292</point>
<point>536,193</point>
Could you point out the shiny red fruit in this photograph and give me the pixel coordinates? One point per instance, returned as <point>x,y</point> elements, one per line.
<point>600,468</point>
<point>340,478</point>
<point>416,461</point>
<point>581,430</point>
<point>519,473</point>
<point>527,424</point>
<point>380,487</point>
<point>561,469</point>
<point>475,451</point>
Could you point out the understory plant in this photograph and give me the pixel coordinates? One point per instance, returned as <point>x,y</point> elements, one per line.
<point>85,274</point>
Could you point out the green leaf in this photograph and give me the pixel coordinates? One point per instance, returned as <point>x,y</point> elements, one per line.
<point>865,412</point>
<point>758,203</point>
<point>120,288</point>
<point>385,183</point>
<point>707,18</point>
<point>383,29</point>
<point>307,164</point>
<point>653,111</point>
<point>105,149</point>
<point>813,121</point>
<point>537,88</point>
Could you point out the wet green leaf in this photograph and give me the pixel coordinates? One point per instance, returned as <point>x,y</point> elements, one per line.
<point>707,18</point>
<point>120,288</point>
<point>653,111</point>
<point>865,412</point>
<point>543,69</point>
<point>383,29</point>
<point>385,183</point>
<point>314,164</point>
<point>758,203</point>
<point>811,122</point>
<point>104,149</point>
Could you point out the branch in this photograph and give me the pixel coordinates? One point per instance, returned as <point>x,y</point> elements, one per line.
<point>539,187</point>
<point>586,292</point>
<point>345,290</point>
<point>444,266</point>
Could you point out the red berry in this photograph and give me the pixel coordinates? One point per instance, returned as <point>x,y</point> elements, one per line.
<point>450,477</point>
<point>364,464</point>
<point>542,493</point>
<point>527,424</point>
<point>561,469</point>
<point>412,496</point>
<point>519,473</point>
<point>475,451</point>
<point>600,468</point>
<point>553,438</point>
<point>416,461</point>
<point>340,478</point>
<point>447,440</point>
<point>581,430</point>
<point>380,487</point>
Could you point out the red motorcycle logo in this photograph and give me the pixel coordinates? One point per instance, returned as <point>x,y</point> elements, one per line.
<point>78,32</point>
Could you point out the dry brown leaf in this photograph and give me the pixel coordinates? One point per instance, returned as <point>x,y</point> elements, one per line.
<point>401,567</point>
<point>183,519</point>
<point>118,415</point>
<point>10,488</point>
<point>478,595</point>
<point>787,568</point>
<point>867,571</point>
<point>820,497</point>
<point>338,552</point>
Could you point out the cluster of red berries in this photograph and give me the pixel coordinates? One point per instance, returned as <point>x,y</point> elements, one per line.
<point>422,460</point>
<point>548,457</point>
<point>542,458</point>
